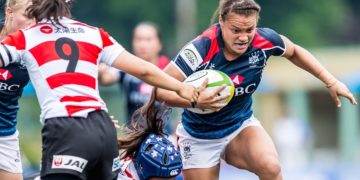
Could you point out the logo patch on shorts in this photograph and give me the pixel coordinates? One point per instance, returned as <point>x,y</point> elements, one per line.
<point>69,162</point>
<point>116,164</point>
<point>187,150</point>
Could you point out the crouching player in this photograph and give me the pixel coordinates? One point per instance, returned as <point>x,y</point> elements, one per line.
<point>145,151</point>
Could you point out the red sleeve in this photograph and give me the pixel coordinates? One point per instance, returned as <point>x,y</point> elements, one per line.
<point>105,38</point>
<point>16,39</point>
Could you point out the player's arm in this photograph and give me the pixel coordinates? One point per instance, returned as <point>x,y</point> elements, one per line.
<point>152,75</point>
<point>305,60</point>
<point>8,55</point>
<point>206,100</point>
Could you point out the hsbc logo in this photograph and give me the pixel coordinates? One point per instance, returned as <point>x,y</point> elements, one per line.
<point>5,74</point>
<point>237,79</point>
<point>5,86</point>
<point>69,162</point>
<point>245,90</point>
<point>46,29</point>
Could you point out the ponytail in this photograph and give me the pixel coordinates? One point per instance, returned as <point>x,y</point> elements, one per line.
<point>215,16</point>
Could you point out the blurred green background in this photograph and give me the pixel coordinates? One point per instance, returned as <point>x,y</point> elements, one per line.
<point>328,28</point>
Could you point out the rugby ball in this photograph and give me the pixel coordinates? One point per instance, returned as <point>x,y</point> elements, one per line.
<point>216,78</point>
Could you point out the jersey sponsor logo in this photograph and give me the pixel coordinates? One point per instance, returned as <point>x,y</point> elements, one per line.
<point>254,59</point>
<point>46,29</point>
<point>12,87</point>
<point>174,172</point>
<point>5,74</point>
<point>69,30</point>
<point>245,90</point>
<point>191,56</point>
<point>116,164</point>
<point>68,162</point>
<point>237,79</point>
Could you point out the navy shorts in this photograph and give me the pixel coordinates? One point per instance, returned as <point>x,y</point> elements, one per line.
<point>84,147</point>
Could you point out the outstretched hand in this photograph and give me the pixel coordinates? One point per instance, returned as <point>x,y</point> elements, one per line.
<point>189,92</point>
<point>340,89</point>
<point>211,99</point>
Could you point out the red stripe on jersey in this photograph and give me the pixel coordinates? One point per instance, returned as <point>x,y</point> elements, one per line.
<point>214,49</point>
<point>72,109</point>
<point>61,79</point>
<point>77,99</point>
<point>261,43</point>
<point>211,33</point>
<point>16,39</point>
<point>128,174</point>
<point>105,38</point>
<point>46,52</point>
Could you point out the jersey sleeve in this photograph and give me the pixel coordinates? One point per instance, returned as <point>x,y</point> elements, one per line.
<point>192,55</point>
<point>111,48</point>
<point>11,48</point>
<point>271,42</point>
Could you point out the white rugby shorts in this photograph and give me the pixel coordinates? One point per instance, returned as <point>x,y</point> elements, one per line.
<point>10,159</point>
<point>206,153</point>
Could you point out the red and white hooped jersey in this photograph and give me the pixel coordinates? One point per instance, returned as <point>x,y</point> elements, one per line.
<point>127,170</point>
<point>62,62</point>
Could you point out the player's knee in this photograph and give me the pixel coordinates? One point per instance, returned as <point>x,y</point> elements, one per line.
<point>269,167</point>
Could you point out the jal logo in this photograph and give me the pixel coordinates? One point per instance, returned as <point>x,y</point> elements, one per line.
<point>5,74</point>
<point>46,29</point>
<point>57,161</point>
<point>69,162</point>
<point>237,79</point>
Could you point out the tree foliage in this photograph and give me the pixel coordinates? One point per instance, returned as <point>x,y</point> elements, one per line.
<point>306,22</point>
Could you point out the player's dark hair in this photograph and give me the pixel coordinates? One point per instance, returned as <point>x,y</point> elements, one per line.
<point>241,7</point>
<point>146,120</point>
<point>52,10</point>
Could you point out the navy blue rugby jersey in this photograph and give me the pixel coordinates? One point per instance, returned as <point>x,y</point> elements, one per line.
<point>206,52</point>
<point>13,79</point>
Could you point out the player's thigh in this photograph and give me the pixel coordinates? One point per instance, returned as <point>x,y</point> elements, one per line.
<point>7,175</point>
<point>211,173</point>
<point>251,149</point>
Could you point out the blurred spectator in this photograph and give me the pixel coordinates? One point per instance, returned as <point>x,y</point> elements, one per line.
<point>147,45</point>
<point>292,137</point>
